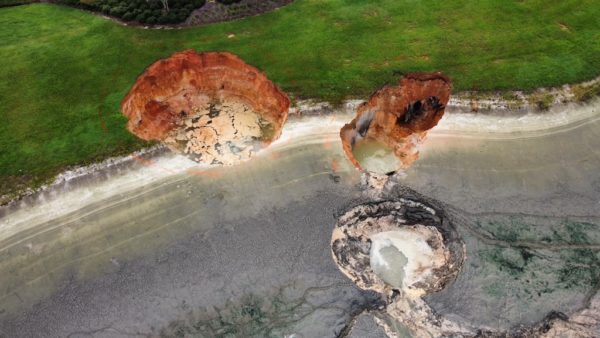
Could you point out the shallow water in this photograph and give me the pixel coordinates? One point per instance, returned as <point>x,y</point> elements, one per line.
<point>388,262</point>
<point>375,156</point>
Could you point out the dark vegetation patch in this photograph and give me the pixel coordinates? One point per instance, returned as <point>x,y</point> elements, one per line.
<point>258,316</point>
<point>228,2</point>
<point>543,230</point>
<point>141,11</point>
<point>507,231</point>
<point>531,274</point>
<point>150,12</point>
<point>226,10</point>
<point>7,3</point>
<point>542,101</point>
<point>585,93</point>
<point>541,271</point>
<point>252,317</point>
<point>168,12</point>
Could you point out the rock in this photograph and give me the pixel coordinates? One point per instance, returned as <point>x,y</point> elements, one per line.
<point>172,89</point>
<point>399,116</point>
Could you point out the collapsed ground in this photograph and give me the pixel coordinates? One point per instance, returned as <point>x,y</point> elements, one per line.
<point>65,70</point>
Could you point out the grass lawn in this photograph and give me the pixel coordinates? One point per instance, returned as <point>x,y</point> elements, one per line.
<point>63,71</point>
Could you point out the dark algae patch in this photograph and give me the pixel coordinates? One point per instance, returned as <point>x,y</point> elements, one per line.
<point>508,260</point>
<point>581,269</point>
<point>528,262</point>
<point>561,243</point>
<point>541,230</point>
<point>253,315</point>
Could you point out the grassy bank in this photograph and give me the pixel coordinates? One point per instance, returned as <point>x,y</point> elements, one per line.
<point>64,71</point>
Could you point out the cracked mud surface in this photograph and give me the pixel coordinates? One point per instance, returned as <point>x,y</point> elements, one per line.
<point>223,133</point>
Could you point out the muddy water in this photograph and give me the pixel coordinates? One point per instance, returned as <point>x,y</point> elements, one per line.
<point>167,242</point>
<point>375,156</point>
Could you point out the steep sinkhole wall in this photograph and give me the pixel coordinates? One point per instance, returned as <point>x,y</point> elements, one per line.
<point>396,118</point>
<point>211,106</point>
<point>403,248</point>
<point>373,241</point>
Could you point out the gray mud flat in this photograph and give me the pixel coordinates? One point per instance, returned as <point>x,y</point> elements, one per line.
<point>527,206</point>
<point>244,252</point>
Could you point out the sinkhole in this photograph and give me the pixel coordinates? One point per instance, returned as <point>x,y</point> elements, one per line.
<point>211,107</point>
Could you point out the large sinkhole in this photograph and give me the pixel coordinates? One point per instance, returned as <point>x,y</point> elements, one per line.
<point>403,244</point>
<point>212,107</point>
<point>388,128</point>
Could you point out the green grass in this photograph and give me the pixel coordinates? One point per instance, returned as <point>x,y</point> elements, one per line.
<point>64,71</point>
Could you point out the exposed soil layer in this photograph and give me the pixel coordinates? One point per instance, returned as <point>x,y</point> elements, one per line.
<point>213,12</point>
<point>173,92</point>
<point>399,116</point>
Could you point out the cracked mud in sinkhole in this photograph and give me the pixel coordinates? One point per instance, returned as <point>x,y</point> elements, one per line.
<point>220,133</point>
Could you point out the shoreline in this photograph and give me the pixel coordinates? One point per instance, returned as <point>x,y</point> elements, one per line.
<point>500,104</point>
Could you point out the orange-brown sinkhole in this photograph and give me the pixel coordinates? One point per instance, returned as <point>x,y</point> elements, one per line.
<point>397,118</point>
<point>211,106</point>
